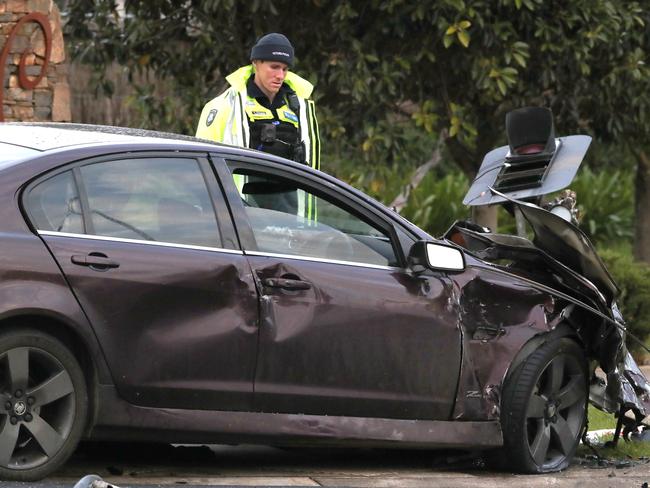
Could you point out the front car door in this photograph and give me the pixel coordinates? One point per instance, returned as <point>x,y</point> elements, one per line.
<point>345,329</point>
<point>147,245</point>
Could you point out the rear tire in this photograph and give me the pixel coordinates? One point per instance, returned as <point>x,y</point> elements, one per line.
<point>43,404</point>
<point>544,408</point>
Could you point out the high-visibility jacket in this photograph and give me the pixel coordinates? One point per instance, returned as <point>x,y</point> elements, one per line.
<point>224,118</point>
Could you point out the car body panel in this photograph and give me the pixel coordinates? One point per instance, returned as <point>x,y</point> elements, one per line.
<point>359,342</point>
<point>32,287</point>
<point>178,326</point>
<point>119,420</point>
<point>569,245</point>
<point>499,314</point>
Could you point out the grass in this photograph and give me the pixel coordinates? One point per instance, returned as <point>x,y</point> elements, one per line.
<point>633,450</point>
<point>626,450</point>
<point>600,420</point>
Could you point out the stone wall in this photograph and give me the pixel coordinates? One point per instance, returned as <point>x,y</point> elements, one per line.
<point>32,62</point>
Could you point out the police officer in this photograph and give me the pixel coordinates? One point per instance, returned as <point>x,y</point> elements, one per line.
<point>266,107</point>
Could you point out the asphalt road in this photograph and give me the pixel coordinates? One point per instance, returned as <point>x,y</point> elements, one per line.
<point>139,466</point>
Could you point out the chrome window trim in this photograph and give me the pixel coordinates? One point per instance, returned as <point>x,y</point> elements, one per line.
<point>138,241</point>
<point>321,260</point>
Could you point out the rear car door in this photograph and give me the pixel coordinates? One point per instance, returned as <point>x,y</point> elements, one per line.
<point>345,329</point>
<point>147,245</point>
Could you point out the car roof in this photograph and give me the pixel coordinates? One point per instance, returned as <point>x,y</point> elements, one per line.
<point>47,136</point>
<point>50,136</point>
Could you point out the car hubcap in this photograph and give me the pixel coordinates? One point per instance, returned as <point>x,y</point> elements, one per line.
<point>38,396</point>
<point>20,408</point>
<point>556,410</point>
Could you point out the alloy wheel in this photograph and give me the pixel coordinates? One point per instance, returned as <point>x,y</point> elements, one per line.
<point>37,407</point>
<point>556,410</point>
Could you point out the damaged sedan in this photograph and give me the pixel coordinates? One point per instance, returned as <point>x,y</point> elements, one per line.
<point>164,288</point>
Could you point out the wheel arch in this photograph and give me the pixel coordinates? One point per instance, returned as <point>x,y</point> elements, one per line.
<point>72,339</point>
<point>563,329</point>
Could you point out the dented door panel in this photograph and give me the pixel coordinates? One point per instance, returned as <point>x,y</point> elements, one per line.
<point>359,341</point>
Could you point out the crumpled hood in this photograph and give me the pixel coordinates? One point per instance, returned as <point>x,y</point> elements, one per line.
<point>567,244</point>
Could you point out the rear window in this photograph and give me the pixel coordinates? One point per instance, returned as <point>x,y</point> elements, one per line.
<point>10,153</point>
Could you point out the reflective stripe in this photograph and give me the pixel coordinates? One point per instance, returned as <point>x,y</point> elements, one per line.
<point>231,133</point>
<point>314,154</point>
<point>244,133</point>
<point>314,135</point>
<point>304,130</point>
<point>305,205</point>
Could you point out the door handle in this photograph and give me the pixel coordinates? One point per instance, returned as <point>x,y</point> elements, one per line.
<point>286,284</point>
<point>94,261</point>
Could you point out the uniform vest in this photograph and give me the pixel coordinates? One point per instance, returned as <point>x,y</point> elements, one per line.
<point>275,131</point>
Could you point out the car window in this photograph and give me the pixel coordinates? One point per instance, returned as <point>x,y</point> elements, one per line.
<point>155,199</point>
<point>287,219</point>
<point>54,205</point>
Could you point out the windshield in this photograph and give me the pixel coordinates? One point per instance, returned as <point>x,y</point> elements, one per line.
<point>10,153</point>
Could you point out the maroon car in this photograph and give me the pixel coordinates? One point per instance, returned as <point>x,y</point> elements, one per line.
<point>163,288</point>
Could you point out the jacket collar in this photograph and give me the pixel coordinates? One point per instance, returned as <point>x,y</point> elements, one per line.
<point>238,80</point>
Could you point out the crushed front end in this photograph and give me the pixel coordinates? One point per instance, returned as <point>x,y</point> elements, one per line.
<point>555,283</point>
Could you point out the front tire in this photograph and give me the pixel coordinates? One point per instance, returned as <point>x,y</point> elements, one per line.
<point>43,404</point>
<point>544,408</point>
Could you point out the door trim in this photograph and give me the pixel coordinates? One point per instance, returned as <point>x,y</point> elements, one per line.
<point>138,241</point>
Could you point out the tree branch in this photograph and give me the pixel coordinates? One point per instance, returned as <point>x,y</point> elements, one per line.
<point>401,200</point>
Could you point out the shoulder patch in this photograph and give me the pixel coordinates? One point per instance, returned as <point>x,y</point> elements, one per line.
<point>211,116</point>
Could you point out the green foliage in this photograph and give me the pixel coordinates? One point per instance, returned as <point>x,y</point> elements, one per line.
<point>434,205</point>
<point>437,202</point>
<point>463,65</point>
<point>606,203</point>
<point>633,279</point>
<point>605,199</point>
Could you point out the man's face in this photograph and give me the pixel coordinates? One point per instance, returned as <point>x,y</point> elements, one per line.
<point>269,75</point>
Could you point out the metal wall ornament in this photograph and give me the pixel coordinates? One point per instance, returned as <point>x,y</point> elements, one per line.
<point>24,81</point>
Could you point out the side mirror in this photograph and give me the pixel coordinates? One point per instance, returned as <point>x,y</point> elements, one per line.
<point>433,255</point>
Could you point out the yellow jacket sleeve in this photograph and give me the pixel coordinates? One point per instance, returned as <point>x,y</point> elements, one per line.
<point>212,121</point>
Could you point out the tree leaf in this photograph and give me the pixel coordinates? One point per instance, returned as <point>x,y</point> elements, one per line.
<point>502,86</point>
<point>463,37</point>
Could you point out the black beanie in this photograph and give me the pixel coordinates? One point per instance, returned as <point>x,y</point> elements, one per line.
<point>273,47</point>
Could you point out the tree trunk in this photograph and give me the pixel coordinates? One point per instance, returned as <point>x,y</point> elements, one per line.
<point>486,215</point>
<point>469,162</point>
<point>642,207</point>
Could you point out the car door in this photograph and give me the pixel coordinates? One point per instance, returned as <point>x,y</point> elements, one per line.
<point>159,275</point>
<point>345,329</point>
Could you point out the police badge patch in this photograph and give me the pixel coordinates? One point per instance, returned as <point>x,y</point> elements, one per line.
<point>211,117</point>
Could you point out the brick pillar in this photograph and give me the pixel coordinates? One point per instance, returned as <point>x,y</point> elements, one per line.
<point>32,62</point>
